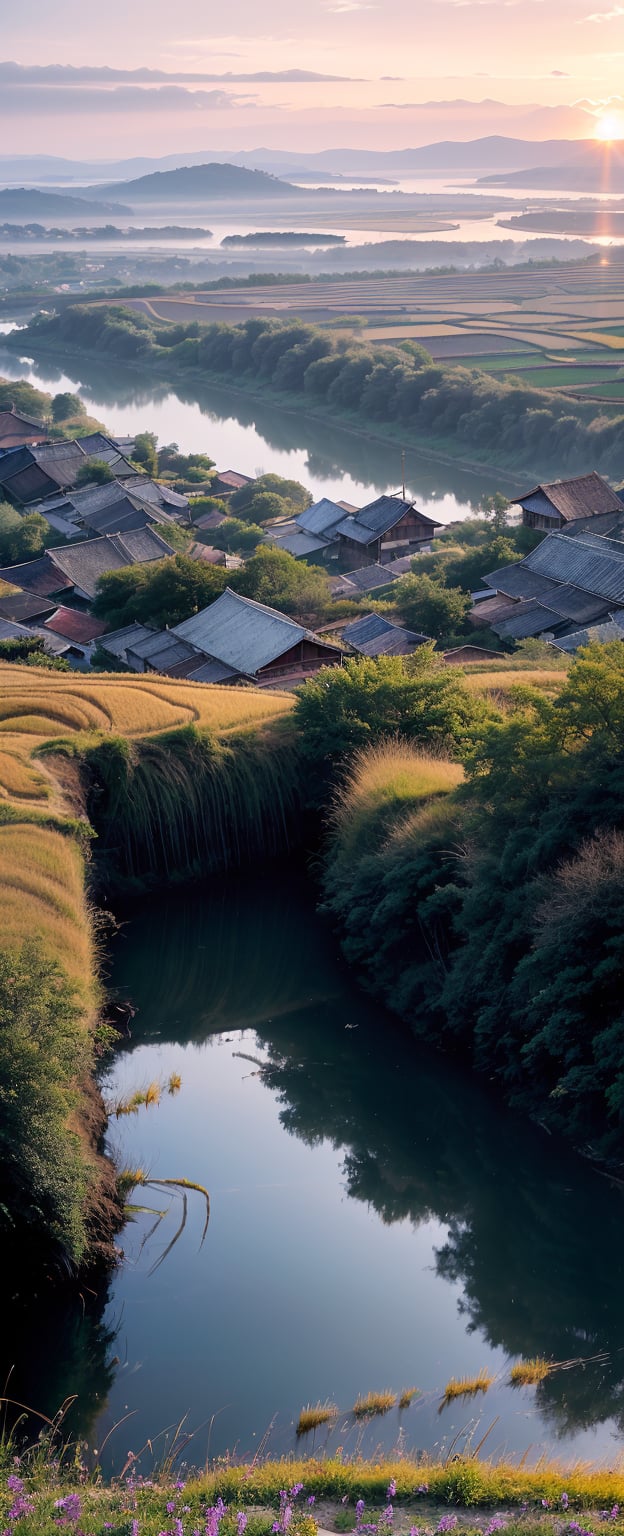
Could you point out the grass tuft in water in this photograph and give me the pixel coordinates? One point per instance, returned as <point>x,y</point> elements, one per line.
<point>526,1373</point>
<point>374,1402</point>
<point>408,1395</point>
<point>466,1386</point>
<point>315,1414</point>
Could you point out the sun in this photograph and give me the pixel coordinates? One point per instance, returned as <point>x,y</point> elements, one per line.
<point>609,126</point>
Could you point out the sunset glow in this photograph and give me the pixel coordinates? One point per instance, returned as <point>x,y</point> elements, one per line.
<point>609,126</point>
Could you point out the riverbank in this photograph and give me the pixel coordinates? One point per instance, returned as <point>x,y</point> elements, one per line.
<point>442,450</point>
<point>397,390</point>
<point>304,1496</point>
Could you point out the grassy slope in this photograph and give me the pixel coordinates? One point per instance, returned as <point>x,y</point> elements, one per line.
<point>42,858</point>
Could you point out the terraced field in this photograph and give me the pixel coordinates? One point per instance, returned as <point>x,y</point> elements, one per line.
<point>505,322</point>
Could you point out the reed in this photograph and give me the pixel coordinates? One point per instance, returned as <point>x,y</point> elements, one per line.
<point>384,784</point>
<point>527,1373</point>
<point>315,1414</point>
<point>407,1396</point>
<point>466,1386</point>
<point>374,1403</point>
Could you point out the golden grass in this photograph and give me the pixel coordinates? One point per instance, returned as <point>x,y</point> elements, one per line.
<point>616,343</point>
<point>42,894</point>
<point>315,1414</point>
<point>461,1481</point>
<point>392,778</point>
<point>466,1386</point>
<point>407,1396</point>
<point>373,1403</point>
<point>500,681</point>
<point>526,1373</point>
<point>19,780</point>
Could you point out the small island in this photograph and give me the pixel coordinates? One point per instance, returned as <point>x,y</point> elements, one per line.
<point>283,237</point>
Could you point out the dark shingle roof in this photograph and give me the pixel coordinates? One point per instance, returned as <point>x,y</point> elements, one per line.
<point>374,635</point>
<point>245,635</point>
<point>579,497</point>
<point>22,606</point>
<point>41,576</point>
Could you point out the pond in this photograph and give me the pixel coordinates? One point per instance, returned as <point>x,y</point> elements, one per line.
<point>378,1220</point>
<point>256,436</point>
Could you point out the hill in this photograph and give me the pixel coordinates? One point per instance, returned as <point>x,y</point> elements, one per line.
<point>28,203</point>
<point>195,183</point>
<point>592,167</point>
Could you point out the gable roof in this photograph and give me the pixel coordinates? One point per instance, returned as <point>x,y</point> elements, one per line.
<point>575,498</point>
<point>42,576</point>
<point>16,428</point>
<point>24,470</point>
<point>162,649</point>
<point>81,627</point>
<point>373,635</point>
<point>322,517</point>
<point>83,564</point>
<point>22,606</point>
<point>612,629</point>
<point>242,633</point>
<point>118,640</point>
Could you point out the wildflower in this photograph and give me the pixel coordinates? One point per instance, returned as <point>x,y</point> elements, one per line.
<point>179,1485</point>
<point>296,1489</point>
<point>391,1494</point>
<point>447,1523</point>
<point>615,1511</point>
<point>134,1528</point>
<point>496,1524</point>
<point>422,1488</point>
<point>564,1500</point>
<point>359,1508</point>
<point>388,1515</point>
<point>311,1499</point>
<point>545,1503</point>
<point>414,1531</point>
<point>170,1506</point>
<point>241,1522</point>
<point>14,1484</point>
<point>179,1528</point>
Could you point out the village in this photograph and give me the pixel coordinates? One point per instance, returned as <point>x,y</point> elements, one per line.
<point>105,512</point>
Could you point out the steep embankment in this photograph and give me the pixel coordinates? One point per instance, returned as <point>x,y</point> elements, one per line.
<point>207,795</point>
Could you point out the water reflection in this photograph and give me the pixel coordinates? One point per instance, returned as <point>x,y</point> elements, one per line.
<point>530,1237</point>
<point>255,434</point>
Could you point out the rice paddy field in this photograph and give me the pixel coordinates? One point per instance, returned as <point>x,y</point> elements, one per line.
<point>560,327</point>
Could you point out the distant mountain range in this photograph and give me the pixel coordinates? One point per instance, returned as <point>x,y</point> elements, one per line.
<point>495,152</point>
<point>197,183</point>
<point>592,167</point>
<point>28,203</point>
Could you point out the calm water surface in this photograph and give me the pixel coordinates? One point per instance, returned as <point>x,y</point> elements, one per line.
<point>256,437</point>
<point>376,1220</point>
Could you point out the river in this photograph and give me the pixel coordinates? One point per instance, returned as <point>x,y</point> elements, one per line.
<point>377,1218</point>
<point>256,436</point>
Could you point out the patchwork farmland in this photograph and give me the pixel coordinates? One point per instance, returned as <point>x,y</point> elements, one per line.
<point>559,327</point>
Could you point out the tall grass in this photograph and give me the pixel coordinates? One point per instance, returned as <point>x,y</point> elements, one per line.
<point>383,785</point>
<point>466,1386</point>
<point>187,803</point>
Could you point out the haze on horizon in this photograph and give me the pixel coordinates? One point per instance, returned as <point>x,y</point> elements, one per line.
<point>408,73</point>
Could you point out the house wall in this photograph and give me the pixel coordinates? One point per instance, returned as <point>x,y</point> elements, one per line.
<point>539,520</point>
<point>304,657</point>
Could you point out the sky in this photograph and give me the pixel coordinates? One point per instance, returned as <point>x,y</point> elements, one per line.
<point>405,72</point>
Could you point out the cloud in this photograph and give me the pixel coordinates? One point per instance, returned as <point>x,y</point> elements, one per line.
<point>345,7</point>
<point>613,15</point>
<point>560,74</point>
<point>87,74</point>
<point>57,100</point>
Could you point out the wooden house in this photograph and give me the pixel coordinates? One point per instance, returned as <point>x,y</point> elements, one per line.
<point>552,506</point>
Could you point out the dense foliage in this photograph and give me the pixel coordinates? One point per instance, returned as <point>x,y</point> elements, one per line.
<point>22,537</point>
<point>484,417</point>
<point>44,1049</point>
<point>493,921</point>
<point>165,592</point>
<point>30,651</point>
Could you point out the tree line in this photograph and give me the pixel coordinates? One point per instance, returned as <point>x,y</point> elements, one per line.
<point>396,387</point>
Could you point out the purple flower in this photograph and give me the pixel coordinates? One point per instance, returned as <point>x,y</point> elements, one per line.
<point>496,1524</point>
<point>447,1523</point>
<point>170,1506</point>
<point>311,1499</point>
<point>241,1522</point>
<point>564,1500</point>
<point>359,1508</point>
<point>134,1528</point>
<point>414,1531</point>
<point>545,1503</point>
<point>296,1489</point>
<point>388,1515</point>
<point>422,1488</point>
<point>391,1494</point>
<point>179,1528</point>
<point>14,1484</point>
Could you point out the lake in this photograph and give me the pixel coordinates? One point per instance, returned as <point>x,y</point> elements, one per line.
<point>256,436</point>
<point>377,1219</point>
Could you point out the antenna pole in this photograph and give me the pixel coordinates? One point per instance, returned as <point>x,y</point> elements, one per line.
<point>403,471</point>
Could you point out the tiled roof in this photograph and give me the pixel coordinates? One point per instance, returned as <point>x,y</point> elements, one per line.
<point>118,640</point>
<point>244,634</point>
<point>374,635</point>
<point>81,627</point>
<point>297,542</point>
<point>574,498</point>
<point>162,649</point>
<point>22,606</point>
<point>144,544</point>
<point>323,517</point>
<point>613,629</point>
<point>41,576</point>
<point>365,579</point>
<point>526,620</point>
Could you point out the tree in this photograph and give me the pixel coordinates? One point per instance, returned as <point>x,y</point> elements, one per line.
<point>264,507</point>
<point>342,708</point>
<point>277,579</point>
<point>66,406</point>
<point>161,593</point>
<point>468,570</point>
<point>22,536</point>
<point>291,491</point>
<point>429,607</point>
<point>235,536</point>
<point>30,652</point>
<point>495,508</point>
<point>94,472</point>
<point>144,453</point>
